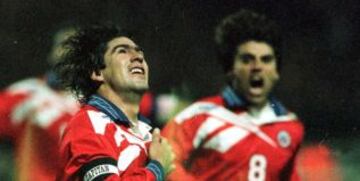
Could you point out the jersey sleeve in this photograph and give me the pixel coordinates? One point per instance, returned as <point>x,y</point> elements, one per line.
<point>88,155</point>
<point>32,101</point>
<point>10,128</point>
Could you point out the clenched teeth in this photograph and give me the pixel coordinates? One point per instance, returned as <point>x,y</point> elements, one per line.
<point>137,70</point>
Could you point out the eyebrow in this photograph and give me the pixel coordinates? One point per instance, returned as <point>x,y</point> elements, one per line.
<point>268,56</point>
<point>252,55</point>
<point>246,55</point>
<point>120,45</point>
<point>126,46</point>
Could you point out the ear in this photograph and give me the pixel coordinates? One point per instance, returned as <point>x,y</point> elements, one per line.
<point>97,76</point>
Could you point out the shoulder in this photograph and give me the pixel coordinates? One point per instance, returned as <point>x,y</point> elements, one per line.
<point>293,125</point>
<point>36,88</point>
<point>198,108</point>
<point>27,85</point>
<point>88,119</point>
<point>298,125</point>
<point>216,100</point>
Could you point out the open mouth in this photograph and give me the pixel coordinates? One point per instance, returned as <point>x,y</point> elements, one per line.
<point>256,85</point>
<point>257,82</point>
<point>137,70</point>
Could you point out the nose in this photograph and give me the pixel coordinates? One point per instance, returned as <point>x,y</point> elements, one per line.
<point>256,65</point>
<point>137,57</point>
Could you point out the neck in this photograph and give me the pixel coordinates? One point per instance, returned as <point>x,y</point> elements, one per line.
<point>255,109</point>
<point>128,102</point>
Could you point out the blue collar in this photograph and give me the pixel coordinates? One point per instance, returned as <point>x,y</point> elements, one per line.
<point>52,79</point>
<point>112,111</point>
<point>233,100</point>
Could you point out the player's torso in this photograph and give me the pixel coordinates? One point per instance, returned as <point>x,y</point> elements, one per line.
<point>42,113</point>
<point>128,148</point>
<point>226,150</point>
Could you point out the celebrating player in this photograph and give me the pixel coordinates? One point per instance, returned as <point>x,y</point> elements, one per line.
<point>108,139</point>
<point>244,133</point>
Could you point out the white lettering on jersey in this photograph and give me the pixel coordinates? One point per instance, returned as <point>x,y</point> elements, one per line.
<point>100,170</point>
<point>207,127</point>
<point>226,139</point>
<point>127,156</point>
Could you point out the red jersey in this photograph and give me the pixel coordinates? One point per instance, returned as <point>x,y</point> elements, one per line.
<point>32,116</point>
<point>98,144</point>
<point>217,139</point>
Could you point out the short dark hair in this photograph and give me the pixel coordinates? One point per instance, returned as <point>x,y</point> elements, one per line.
<point>84,54</point>
<point>243,26</point>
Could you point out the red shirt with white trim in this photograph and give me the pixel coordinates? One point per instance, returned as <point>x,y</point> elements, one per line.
<point>217,139</point>
<point>32,117</point>
<point>98,144</point>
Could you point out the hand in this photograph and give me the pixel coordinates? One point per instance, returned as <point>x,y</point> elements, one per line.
<point>161,151</point>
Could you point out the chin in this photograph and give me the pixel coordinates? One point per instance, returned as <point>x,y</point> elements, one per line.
<point>257,101</point>
<point>141,89</point>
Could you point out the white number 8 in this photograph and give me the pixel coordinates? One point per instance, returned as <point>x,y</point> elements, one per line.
<point>257,168</point>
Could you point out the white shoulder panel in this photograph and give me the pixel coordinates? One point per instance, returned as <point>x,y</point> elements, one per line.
<point>226,139</point>
<point>26,85</point>
<point>194,109</point>
<point>206,128</point>
<point>99,121</point>
<point>42,105</point>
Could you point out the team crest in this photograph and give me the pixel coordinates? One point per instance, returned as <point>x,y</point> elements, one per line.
<point>284,139</point>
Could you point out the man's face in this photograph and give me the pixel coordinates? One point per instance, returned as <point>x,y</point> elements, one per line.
<point>254,71</point>
<point>126,68</point>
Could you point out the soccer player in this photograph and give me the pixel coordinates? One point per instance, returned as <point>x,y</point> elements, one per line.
<point>33,113</point>
<point>244,133</point>
<point>108,139</point>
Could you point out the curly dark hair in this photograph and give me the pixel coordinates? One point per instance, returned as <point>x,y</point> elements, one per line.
<point>243,26</point>
<point>84,54</point>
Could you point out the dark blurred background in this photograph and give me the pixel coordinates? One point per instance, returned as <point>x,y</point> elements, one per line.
<point>321,61</point>
<point>319,79</point>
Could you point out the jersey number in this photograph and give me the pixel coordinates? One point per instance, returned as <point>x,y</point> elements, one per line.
<point>257,168</point>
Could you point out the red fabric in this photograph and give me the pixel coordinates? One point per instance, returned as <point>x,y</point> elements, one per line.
<point>32,116</point>
<point>316,162</point>
<point>147,105</point>
<point>10,129</point>
<point>208,147</point>
<point>91,135</point>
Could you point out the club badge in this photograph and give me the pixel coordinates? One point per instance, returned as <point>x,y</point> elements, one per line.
<point>284,139</point>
